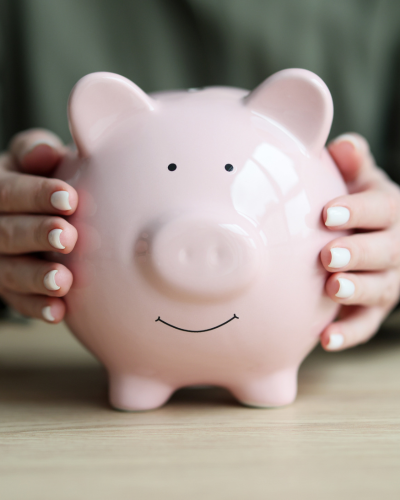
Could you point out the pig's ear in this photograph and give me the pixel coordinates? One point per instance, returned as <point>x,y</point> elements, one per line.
<point>297,101</point>
<point>98,102</point>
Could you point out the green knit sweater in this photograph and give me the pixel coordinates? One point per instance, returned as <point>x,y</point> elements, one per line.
<point>354,45</point>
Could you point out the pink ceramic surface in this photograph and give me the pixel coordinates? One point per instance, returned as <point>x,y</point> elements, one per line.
<point>199,234</point>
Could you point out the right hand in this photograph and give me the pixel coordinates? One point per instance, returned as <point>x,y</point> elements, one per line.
<point>32,208</point>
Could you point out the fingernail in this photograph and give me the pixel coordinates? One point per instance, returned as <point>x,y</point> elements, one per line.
<point>60,200</point>
<point>346,288</point>
<point>46,313</point>
<point>54,238</point>
<point>50,280</point>
<point>40,142</point>
<point>348,138</point>
<point>340,257</point>
<point>335,341</point>
<point>336,216</point>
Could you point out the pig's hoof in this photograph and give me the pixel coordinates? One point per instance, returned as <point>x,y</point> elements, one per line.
<point>133,393</point>
<point>276,389</point>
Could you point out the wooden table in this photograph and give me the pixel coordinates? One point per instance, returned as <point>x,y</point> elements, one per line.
<point>60,440</point>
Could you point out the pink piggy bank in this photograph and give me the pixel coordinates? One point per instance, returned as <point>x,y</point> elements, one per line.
<point>199,234</point>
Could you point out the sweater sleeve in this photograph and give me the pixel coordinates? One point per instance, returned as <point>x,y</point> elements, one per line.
<point>14,107</point>
<point>391,136</point>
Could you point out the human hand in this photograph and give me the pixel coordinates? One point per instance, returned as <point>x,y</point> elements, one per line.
<point>365,266</point>
<point>32,208</point>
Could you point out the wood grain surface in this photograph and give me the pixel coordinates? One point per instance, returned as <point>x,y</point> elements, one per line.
<point>60,440</point>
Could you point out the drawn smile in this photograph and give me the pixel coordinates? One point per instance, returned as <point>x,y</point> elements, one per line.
<point>198,331</point>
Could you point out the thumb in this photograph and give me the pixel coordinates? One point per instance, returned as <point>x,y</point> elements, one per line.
<point>37,151</point>
<point>351,154</point>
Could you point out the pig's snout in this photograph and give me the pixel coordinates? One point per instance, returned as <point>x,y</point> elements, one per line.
<point>204,258</point>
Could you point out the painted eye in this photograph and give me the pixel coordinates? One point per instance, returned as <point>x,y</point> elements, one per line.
<point>172,167</point>
<point>228,167</point>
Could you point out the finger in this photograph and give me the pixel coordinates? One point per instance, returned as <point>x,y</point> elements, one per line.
<point>366,289</point>
<point>356,326</point>
<point>353,157</point>
<point>371,209</point>
<point>36,233</point>
<point>363,252</point>
<point>23,193</point>
<point>50,309</point>
<point>351,153</point>
<point>37,151</point>
<point>28,275</point>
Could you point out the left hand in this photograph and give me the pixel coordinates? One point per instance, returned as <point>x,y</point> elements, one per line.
<point>365,266</point>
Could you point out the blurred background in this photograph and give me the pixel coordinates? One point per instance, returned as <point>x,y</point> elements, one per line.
<point>353,45</point>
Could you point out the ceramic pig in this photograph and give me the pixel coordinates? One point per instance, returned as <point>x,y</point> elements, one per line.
<point>200,229</point>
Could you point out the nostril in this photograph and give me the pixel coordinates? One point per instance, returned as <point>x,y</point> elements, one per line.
<point>213,256</point>
<point>142,247</point>
<point>184,256</point>
<point>216,255</point>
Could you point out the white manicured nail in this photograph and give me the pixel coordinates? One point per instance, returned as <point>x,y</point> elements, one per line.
<point>40,142</point>
<point>337,216</point>
<point>346,289</point>
<point>60,200</point>
<point>340,257</point>
<point>54,238</point>
<point>335,341</point>
<point>46,313</point>
<point>348,138</point>
<point>50,280</point>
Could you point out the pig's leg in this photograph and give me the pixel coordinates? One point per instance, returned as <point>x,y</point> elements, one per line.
<point>275,389</point>
<point>134,393</point>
